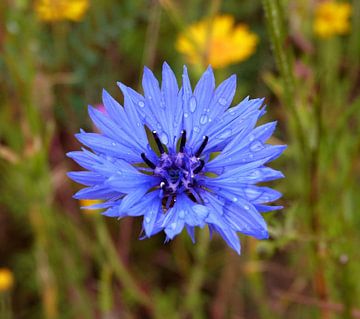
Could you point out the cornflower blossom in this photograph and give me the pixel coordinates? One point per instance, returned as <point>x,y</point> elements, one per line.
<point>217,42</point>
<point>332,18</point>
<point>57,10</point>
<point>181,158</point>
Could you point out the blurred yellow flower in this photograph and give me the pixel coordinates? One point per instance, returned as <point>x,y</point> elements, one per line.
<point>217,42</point>
<point>56,10</point>
<point>6,279</point>
<point>332,18</point>
<point>83,203</point>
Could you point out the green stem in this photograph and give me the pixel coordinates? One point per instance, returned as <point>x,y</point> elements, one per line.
<point>119,268</point>
<point>196,278</point>
<point>277,31</point>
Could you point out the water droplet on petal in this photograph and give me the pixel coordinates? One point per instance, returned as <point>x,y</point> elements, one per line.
<point>173,225</point>
<point>141,104</point>
<point>251,137</point>
<point>147,220</point>
<point>138,124</point>
<point>234,199</point>
<point>164,138</point>
<point>203,119</point>
<point>196,129</point>
<point>119,172</point>
<point>186,115</point>
<point>246,207</point>
<point>113,144</point>
<point>255,174</point>
<point>256,146</point>
<point>222,101</point>
<point>192,104</point>
<point>225,134</point>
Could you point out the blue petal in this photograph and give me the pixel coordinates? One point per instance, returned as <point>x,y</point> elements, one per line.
<point>86,178</point>
<point>235,121</point>
<point>126,181</point>
<point>266,208</point>
<point>105,145</point>
<point>84,158</point>
<point>131,199</point>
<point>135,123</point>
<point>187,103</point>
<point>169,90</point>
<point>230,237</point>
<point>154,100</point>
<point>199,104</point>
<point>183,212</point>
<point>115,110</point>
<point>240,216</point>
<point>221,100</point>
<point>96,192</point>
<point>261,194</point>
<point>191,231</point>
<point>114,212</point>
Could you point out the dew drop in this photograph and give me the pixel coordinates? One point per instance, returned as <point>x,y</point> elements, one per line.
<point>196,129</point>
<point>173,225</point>
<point>193,104</point>
<point>164,138</point>
<point>256,146</point>
<point>231,111</point>
<point>246,207</point>
<point>203,119</point>
<point>119,172</point>
<point>251,137</point>
<point>255,174</point>
<point>113,144</point>
<point>147,220</point>
<point>234,199</point>
<point>222,101</point>
<point>186,115</point>
<point>141,104</point>
<point>138,124</point>
<point>225,134</point>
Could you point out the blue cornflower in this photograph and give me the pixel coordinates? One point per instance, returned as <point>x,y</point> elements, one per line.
<point>181,158</point>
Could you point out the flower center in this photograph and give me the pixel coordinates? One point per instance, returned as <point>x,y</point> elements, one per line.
<point>177,170</point>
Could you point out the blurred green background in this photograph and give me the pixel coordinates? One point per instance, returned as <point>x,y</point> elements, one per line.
<point>58,261</point>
